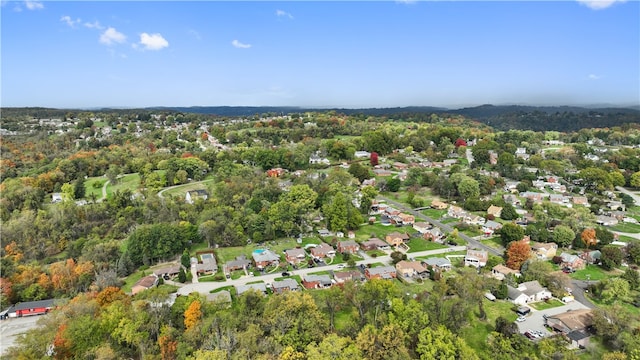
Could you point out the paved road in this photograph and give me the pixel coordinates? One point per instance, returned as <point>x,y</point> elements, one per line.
<point>12,327</point>
<point>444,227</point>
<point>206,287</point>
<point>634,195</point>
<point>632,235</point>
<point>577,290</point>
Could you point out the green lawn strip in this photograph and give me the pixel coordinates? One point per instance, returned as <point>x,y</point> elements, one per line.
<point>93,186</point>
<point>129,181</point>
<point>230,289</point>
<point>626,239</point>
<point>593,272</point>
<point>212,278</point>
<point>443,255</point>
<point>544,305</point>
<point>376,253</point>
<point>226,254</point>
<point>434,213</point>
<point>494,242</point>
<point>183,189</point>
<point>325,272</point>
<point>627,228</point>
<point>449,221</point>
<point>380,231</point>
<point>418,244</point>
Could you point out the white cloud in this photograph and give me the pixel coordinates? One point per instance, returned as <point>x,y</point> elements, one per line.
<point>153,41</point>
<point>240,45</point>
<point>599,4</point>
<point>94,25</point>
<point>33,5</point>
<point>112,36</point>
<point>282,13</point>
<point>69,21</point>
<point>594,77</point>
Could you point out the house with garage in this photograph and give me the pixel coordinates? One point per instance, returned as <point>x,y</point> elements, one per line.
<point>434,234</point>
<point>348,246</point>
<point>494,211</point>
<point>322,251</point>
<point>500,272</point>
<point>316,281</point>
<point>265,257</point>
<point>571,261</point>
<point>207,265</point>
<point>396,238</point>
<point>532,291</point>
<point>143,284</point>
<point>374,244</point>
<point>421,226</point>
<point>281,286</point>
<point>409,269</point>
<point>438,205</point>
<point>380,272</point>
<point>490,227</point>
<point>575,325</point>
<point>167,272</point>
<point>240,263</point>
<point>344,276</point>
<point>476,258</point>
<point>544,251</point>
<point>437,264</point>
<point>591,257</point>
<point>259,287</point>
<point>295,256</point>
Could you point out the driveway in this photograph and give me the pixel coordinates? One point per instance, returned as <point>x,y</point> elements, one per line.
<point>12,327</point>
<point>535,319</point>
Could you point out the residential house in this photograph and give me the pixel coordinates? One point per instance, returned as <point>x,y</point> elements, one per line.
<point>522,153</point>
<point>275,172</point>
<point>493,157</point>
<point>421,226</point>
<point>511,199</point>
<point>400,166</point>
<point>192,196</point>
<point>208,265</point>
<point>434,234</point>
<point>532,291</point>
<point>382,172</point>
<point>605,220</point>
<point>474,219</point>
<point>374,244</point>
<point>259,287</point>
<point>263,258</point>
<point>222,297</point>
<point>534,196</point>
<point>500,272</point>
<point>437,264</point>
<point>490,227</point>
<point>240,263</point>
<point>145,283</point>
<point>544,251</point>
<point>284,285</point>
<point>396,238</point>
<point>496,211</point>
<point>572,261</point>
<point>351,234</point>
<point>406,219</point>
<point>322,251</point>
<point>438,205</point>
<point>591,257</point>
<point>556,198</point>
<point>380,272</point>
<point>349,246</point>
<point>295,256</point>
<point>324,232</point>
<point>167,272</point>
<point>476,258</point>
<point>362,154</point>
<point>411,269</point>
<point>316,281</point>
<point>353,275</point>
<point>572,320</point>
<point>580,200</point>
<point>456,212</point>
<point>56,197</point>
<point>316,159</point>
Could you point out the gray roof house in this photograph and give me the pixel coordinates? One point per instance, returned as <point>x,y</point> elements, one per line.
<point>285,285</point>
<point>260,287</point>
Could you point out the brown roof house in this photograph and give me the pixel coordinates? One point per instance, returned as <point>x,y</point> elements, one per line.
<point>438,205</point>
<point>374,244</point>
<point>145,283</point>
<point>348,246</point>
<point>496,211</point>
<point>295,256</point>
<point>421,226</point>
<point>396,238</point>
<point>544,251</point>
<point>500,272</point>
<point>434,234</point>
<point>574,324</point>
<point>476,258</point>
<point>380,272</point>
<point>411,269</point>
<point>240,263</point>
<point>353,275</point>
<point>316,281</point>
<point>322,251</point>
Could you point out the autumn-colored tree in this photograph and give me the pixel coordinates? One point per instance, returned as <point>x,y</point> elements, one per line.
<point>168,344</point>
<point>588,237</point>
<point>373,159</point>
<point>204,136</point>
<point>61,344</point>
<point>109,295</point>
<point>517,253</point>
<point>193,314</point>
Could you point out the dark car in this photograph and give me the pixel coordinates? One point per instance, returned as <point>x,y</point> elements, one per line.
<point>285,274</point>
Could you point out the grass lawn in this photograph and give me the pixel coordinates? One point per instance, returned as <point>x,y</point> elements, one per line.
<point>594,272</point>
<point>225,254</point>
<point>182,190</point>
<point>626,227</point>
<point>129,181</point>
<point>414,288</point>
<point>544,305</point>
<point>472,232</point>
<point>376,253</point>
<point>93,186</point>
<point>477,333</point>
<point>449,221</point>
<point>212,278</point>
<point>494,242</point>
<point>377,230</point>
<point>133,278</point>
<point>434,213</point>
<point>417,244</point>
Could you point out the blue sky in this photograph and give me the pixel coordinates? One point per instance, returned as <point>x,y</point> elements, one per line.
<point>319,54</point>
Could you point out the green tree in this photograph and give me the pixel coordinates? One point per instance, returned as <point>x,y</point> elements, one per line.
<point>563,235</point>
<point>611,257</point>
<point>632,277</point>
<point>508,212</point>
<point>359,172</point>
<point>335,212</point>
<point>615,289</point>
<point>393,184</point>
<point>382,344</point>
<point>78,188</point>
<point>468,188</point>
<point>441,343</point>
<point>634,180</point>
<point>333,347</point>
<point>511,232</point>
<point>185,259</point>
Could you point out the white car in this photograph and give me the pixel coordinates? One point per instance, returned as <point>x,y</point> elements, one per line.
<point>521,319</point>
<point>341,266</point>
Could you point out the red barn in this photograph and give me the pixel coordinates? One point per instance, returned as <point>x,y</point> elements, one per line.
<point>29,308</point>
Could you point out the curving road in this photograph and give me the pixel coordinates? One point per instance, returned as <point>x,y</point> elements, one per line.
<point>207,287</point>
<point>635,196</point>
<point>444,227</point>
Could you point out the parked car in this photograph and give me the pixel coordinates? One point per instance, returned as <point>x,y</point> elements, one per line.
<point>341,266</point>
<point>285,274</point>
<point>521,319</point>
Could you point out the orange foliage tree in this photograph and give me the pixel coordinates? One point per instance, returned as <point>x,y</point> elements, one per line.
<point>192,314</point>
<point>109,295</point>
<point>588,237</point>
<point>517,253</point>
